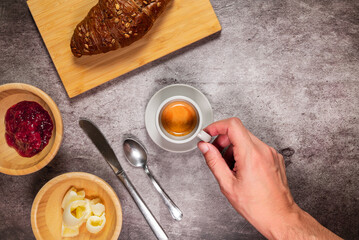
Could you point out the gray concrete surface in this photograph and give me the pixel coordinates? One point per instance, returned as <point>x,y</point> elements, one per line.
<point>289,69</point>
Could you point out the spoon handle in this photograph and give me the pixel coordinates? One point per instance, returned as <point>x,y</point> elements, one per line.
<point>151,220</point>
<point>174,210</point>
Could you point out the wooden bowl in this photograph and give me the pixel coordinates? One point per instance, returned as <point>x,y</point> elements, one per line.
<point>10,161</point>
<point>46,212</point>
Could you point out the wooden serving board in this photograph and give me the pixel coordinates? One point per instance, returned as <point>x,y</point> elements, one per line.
<point>182,23</point>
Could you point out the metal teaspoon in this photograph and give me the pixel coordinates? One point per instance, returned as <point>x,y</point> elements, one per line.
<point>136,154</point>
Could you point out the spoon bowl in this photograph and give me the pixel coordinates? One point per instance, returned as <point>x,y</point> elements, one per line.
<point>135,153</point>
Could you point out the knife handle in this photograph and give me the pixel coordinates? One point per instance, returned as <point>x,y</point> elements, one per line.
<point>151,220</point>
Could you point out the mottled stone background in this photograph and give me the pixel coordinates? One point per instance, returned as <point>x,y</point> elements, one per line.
<point>288,68</point>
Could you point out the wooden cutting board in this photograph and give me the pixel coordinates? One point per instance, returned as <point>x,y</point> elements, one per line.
<point>182,23</point>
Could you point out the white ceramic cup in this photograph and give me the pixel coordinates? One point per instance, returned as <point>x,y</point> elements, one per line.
<point>197,131</point>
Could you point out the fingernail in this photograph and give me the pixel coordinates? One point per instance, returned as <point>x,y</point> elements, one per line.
<point>203,147</point>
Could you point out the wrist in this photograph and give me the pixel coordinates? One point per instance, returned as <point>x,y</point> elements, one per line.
<point>286,225</point>
<point>298,224</point>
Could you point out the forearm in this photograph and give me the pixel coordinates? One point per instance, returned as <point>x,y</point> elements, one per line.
<point>300,225</point>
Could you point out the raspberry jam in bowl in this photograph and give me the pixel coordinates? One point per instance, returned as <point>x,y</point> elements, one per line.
<point>30,129</point>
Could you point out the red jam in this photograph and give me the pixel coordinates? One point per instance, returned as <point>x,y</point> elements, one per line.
<point>28,128</point>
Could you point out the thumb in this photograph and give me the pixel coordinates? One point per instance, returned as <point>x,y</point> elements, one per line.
<point>216,163</point>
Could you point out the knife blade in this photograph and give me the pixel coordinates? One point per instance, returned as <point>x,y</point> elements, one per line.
<point>107,152</point>
<point>101,144</point>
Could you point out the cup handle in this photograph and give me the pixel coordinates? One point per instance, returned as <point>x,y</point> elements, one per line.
<point>205,137</point>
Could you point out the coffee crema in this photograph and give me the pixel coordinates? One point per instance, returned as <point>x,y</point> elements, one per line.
<point>179,118</point>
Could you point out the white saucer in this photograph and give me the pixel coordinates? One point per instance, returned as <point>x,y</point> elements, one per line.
<point>163,94</point>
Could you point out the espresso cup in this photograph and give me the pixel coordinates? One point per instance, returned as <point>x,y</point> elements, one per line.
<point>196,132</point>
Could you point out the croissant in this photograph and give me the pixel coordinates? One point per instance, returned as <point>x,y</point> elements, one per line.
<point>112,24</point>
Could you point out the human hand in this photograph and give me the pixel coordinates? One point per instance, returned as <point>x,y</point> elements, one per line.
<point>257,186</point>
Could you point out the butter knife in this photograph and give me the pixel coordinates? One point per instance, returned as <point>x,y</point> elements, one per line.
<point>106,151</point>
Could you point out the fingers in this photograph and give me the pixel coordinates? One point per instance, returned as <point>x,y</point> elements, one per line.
<point>234,129</point>
<point>221,142</point>
<point>229,158</point>
<point>229,153</point>
<point>216,163</point>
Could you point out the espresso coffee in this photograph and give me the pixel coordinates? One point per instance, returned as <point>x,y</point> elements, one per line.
<point>179,118</point>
